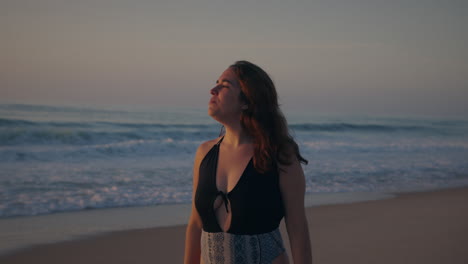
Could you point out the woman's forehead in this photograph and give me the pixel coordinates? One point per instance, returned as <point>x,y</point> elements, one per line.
<point>228,76</point>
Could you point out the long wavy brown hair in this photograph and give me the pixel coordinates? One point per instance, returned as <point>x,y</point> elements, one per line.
<point>263,119</point>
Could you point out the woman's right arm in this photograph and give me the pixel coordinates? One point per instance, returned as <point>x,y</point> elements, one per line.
<point>193,232</point>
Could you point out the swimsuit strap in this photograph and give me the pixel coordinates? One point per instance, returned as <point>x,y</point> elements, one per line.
<point>223,195</point>
<point>219,141</point>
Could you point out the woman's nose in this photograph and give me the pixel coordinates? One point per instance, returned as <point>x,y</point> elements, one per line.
<point>214,90</point>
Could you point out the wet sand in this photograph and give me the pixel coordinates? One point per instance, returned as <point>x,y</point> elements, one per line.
<point>421,227</point>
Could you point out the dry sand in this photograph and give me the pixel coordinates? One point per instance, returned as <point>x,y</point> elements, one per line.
<point>426,227</point>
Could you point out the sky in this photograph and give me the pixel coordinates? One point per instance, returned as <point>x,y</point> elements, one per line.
<point>361,57</point>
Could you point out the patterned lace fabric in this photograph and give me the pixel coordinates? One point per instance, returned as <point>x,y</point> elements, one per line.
<point>226,248</point>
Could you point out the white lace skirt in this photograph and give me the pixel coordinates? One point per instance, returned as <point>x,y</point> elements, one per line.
<point>226,248</point>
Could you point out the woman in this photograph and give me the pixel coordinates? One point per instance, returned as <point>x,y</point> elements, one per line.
<point>246,180</point>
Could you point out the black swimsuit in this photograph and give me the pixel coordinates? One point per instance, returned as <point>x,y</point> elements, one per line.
<point>256,212</point>
<point>256,202</point>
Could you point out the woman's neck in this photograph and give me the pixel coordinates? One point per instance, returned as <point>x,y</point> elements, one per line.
<point>236,136</point>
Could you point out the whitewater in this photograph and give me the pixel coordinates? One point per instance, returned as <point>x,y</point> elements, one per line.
<point>63,158</point>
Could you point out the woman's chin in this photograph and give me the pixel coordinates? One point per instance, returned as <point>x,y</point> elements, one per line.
<point>211,111</point>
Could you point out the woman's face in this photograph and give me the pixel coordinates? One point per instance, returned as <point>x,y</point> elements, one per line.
<point>225,103</point>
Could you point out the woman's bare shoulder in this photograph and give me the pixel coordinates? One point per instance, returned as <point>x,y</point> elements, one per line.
<point>204,147</point>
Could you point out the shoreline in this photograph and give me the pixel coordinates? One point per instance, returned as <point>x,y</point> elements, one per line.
<point>18,233</point>
<point>413,227</point>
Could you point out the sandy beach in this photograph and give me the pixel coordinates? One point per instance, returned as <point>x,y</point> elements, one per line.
<point>420,227</point>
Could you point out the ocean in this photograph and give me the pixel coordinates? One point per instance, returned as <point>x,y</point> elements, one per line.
<point>69,158</point>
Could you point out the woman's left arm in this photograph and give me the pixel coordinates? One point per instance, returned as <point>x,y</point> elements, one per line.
<point>292,184</point>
